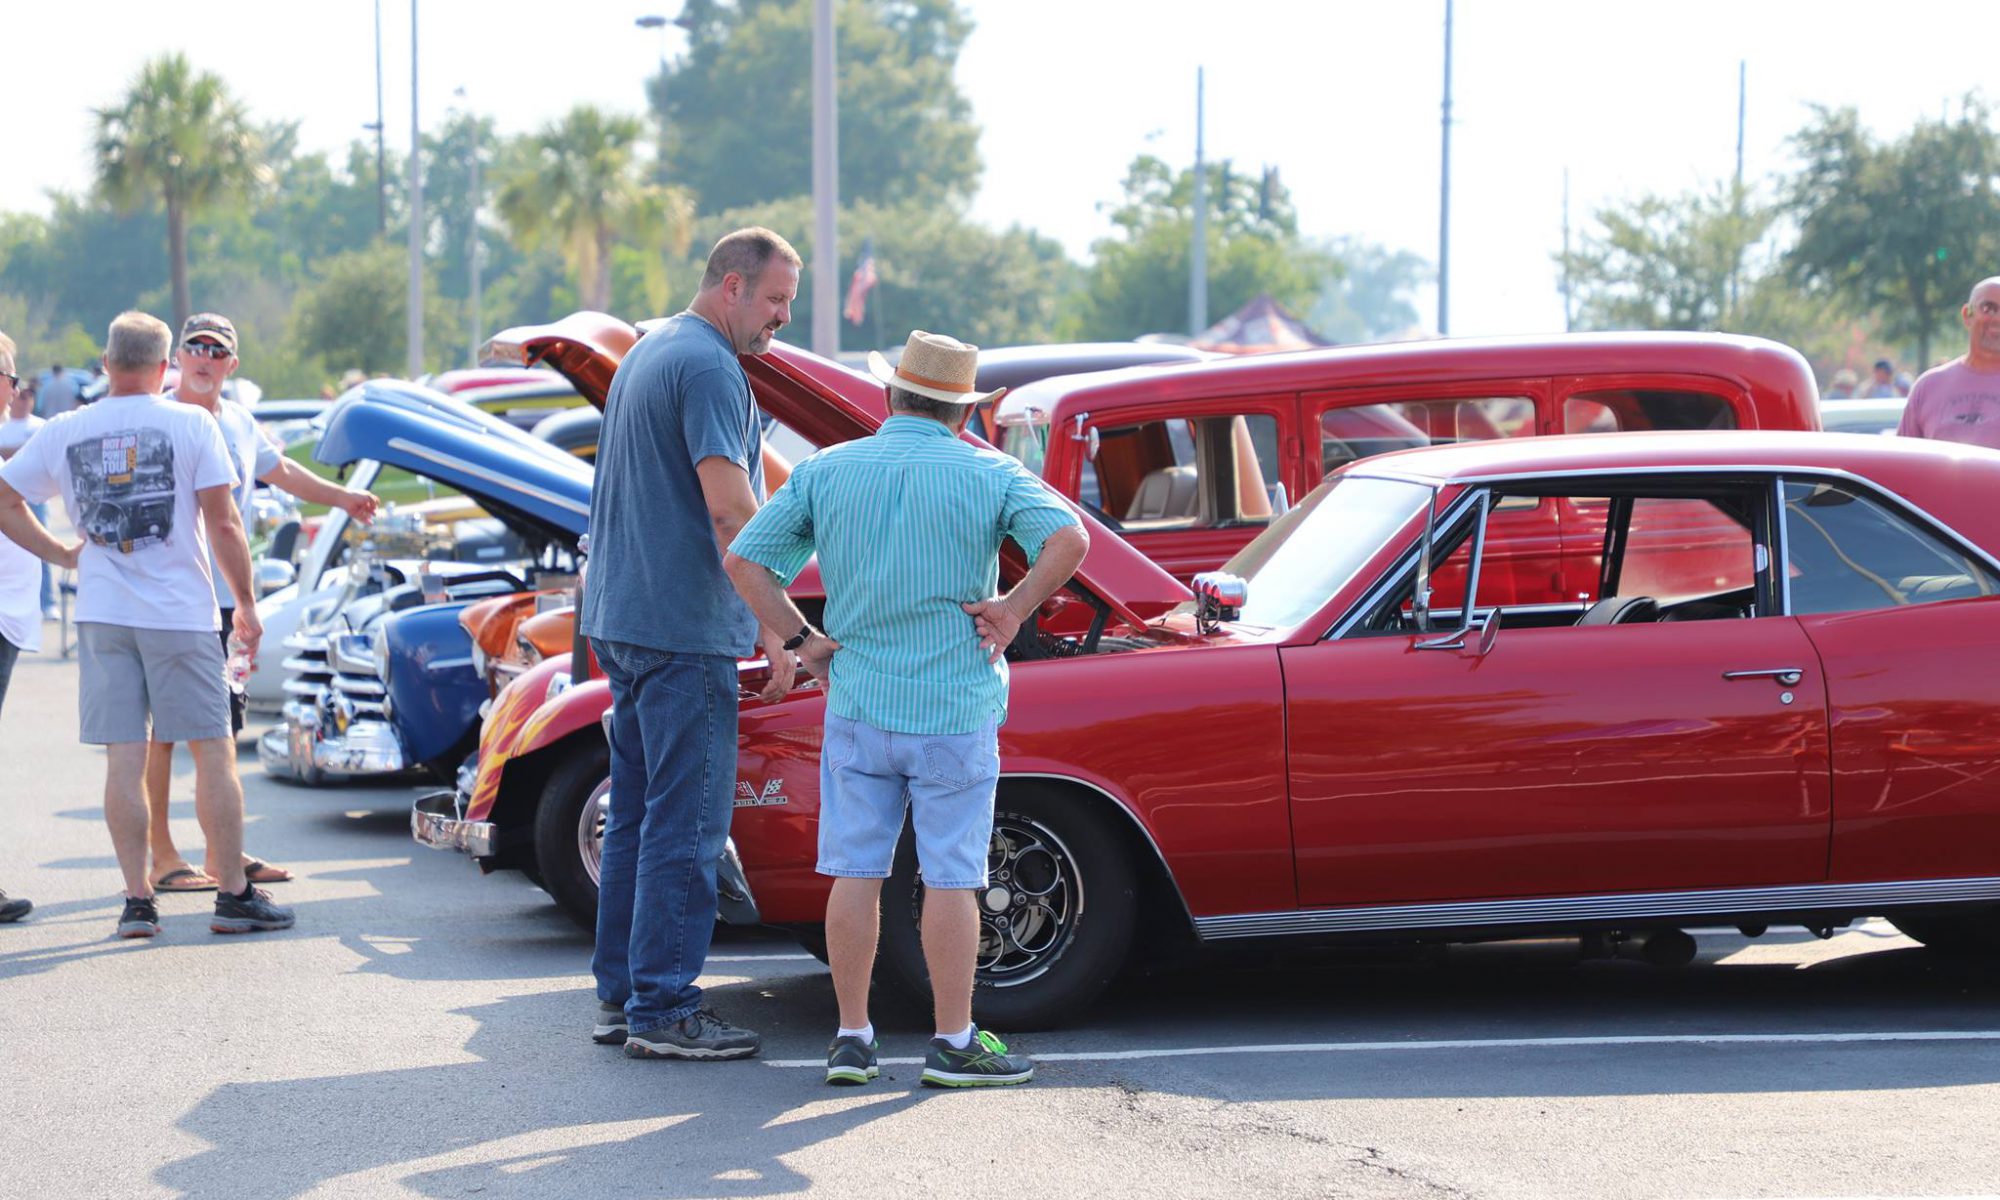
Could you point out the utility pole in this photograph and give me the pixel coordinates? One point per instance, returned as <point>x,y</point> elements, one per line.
<point>1569,311</point>
<point>1444,192</point>
<point>1198,252</point>
<point>416,325</point>
<point>472,251</point>
<point>658,22</point>
<point>381,152</point>
<point>826,188</point>
<point>1736,196</point>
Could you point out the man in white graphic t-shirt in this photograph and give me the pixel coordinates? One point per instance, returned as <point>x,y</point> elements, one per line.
<point>207,358</point>
<point>148,483</point>
<point>20,579</point>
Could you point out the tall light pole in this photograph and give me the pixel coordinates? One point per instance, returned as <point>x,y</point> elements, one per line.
<point>1444,192</point>
<point>416,326</point>
<point>472,234</point>
<point>656,21</point>
<point>826,187</point>
<point>1198,252</point>
<point>381,152</point>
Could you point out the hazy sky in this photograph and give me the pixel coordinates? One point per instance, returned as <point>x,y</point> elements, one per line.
<point>1342,97</point>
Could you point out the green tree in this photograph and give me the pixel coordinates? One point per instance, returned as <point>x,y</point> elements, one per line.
<point>579,187</point>
<point>1374,298</point>
<point>1666,262</point>
<point>354,317</point>
<point>1139,281</point>
<point>179,137</point>
<point>739,104</point>
<point>1900,228</point>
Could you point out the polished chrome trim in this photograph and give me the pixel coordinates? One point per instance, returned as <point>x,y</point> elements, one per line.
<point>1123,809</point>
<point>1557,910</point>
<point>493,477</point>
<point>1781,553</point>
<point>1391,579</point>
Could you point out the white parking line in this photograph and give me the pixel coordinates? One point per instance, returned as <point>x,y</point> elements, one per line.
<point>760,958</point>
<point>1678,1039</point>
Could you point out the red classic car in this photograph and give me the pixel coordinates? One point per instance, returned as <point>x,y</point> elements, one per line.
<point>1189,463</point>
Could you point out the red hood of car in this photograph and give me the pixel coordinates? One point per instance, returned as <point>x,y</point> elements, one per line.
<point>825,403</point>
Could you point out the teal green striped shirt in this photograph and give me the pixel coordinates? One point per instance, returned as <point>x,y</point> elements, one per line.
<point>907,525</point>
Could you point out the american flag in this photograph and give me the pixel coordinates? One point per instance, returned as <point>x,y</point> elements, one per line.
<point>864,280</point>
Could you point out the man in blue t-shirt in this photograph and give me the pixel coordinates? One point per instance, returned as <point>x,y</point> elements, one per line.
<point>679,472</point>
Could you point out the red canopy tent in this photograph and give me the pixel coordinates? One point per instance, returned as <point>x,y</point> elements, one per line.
<point>1259,327</point>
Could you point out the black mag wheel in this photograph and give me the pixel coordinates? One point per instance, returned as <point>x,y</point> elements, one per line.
<point>569,830</point>
<point>1056,917</point>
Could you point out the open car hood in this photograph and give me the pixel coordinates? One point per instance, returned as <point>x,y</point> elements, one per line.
<point>512,475</point>
<point>825,403</point>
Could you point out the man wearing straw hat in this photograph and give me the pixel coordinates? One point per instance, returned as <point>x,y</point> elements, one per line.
<point>907,525</point>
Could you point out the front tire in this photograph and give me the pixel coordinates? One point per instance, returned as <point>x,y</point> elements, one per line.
<point>569,831</point>
<point>1056,917</point>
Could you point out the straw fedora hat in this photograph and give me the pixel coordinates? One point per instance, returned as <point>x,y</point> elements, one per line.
<point>934,365</point>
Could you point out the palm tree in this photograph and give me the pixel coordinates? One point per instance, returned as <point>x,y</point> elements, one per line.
<point>180,137</point>
<point>578,186</point>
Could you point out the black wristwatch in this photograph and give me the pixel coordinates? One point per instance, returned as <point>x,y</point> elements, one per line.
<point>800,638</point>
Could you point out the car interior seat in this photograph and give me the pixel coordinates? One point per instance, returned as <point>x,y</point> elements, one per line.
<point>1621,610</point>
<point>1165,495</point>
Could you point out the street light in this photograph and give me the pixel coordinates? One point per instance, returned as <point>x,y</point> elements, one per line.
<point>472,225</point>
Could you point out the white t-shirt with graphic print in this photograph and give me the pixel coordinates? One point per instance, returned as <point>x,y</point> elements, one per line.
<point>128,468</point>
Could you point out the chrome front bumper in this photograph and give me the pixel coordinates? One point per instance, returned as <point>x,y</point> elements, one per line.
<point>300,746</point>
<point>438,820</point>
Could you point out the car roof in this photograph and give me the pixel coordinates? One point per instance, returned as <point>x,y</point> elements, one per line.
<point>1751,360</point>
<point>1947,479</point>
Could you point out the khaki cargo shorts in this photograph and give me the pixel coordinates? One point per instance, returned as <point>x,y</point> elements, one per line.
<point>136,685</point>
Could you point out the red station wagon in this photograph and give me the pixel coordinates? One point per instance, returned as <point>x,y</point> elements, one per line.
<point>1189,463</point>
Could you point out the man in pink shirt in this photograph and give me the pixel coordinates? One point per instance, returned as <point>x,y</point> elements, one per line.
<point>1960,400</point>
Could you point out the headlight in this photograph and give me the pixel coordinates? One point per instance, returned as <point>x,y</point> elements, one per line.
<point>529,653</point>
<point>558,684</point>
<point>478,659</point>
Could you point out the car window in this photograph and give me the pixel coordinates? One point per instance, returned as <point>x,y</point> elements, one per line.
<point>1184,473</point>
<point>1622,410</point>
<point>1350,432</point>
<point>1847,553</point>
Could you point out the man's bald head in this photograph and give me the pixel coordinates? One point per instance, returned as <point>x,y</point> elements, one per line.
<point>1990,282</point>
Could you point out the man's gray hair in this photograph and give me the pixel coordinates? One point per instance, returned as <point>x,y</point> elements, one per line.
<point>746,253</point>
<point>7,349</point>
<point>138,341</point>
<point>902,400</point>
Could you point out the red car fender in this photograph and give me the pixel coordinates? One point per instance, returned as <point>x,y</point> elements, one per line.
<point>503,737</point>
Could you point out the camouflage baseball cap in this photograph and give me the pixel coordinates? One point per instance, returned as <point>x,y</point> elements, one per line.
<point>214,325</point>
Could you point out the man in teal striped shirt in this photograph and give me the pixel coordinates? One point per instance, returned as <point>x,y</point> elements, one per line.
<point>907,525</point>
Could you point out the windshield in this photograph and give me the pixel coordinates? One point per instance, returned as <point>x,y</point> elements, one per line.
<point>1312,552</point>
<point>1027,441</point>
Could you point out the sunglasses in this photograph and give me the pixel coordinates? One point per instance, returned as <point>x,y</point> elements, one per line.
<point>205,349</point>
<point>12,380</point>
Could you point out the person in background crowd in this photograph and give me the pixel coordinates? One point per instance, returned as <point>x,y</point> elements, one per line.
<point>19,424</point>
<point>679,471</point>
<point>1904,382</point>
<point>1959,401</point>
<point>148,482</point>
<point>907,525</point>
<point>207,358</point>
<point>1843,385</point>
<point>1882,385</point>
<point>20,615</point>
<point>56,391</point>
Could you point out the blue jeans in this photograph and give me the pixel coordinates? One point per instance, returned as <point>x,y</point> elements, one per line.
<point>41,512</point>
<point>673,787</point>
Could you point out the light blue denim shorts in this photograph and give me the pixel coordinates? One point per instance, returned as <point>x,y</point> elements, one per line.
<point>867,776</point>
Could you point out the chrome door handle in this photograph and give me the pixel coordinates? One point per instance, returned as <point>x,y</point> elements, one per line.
<point>1788,676</point>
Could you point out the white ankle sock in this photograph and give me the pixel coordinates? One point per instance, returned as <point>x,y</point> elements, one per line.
<point>866,1033</point>
<point>959,1040</point>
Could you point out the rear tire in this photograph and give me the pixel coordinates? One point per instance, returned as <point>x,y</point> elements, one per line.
<point>1057,917</point>
<point>565,864</point>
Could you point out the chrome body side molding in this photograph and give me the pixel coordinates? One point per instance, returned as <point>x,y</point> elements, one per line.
<point>1635,906</point>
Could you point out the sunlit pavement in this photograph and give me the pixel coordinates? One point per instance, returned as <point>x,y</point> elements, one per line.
<point>424,1031</point>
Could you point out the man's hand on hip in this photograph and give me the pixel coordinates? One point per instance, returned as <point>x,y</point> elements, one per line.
<point>817,654</point>
<point>996,623</point>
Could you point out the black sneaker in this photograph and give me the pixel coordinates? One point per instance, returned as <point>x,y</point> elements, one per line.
<point>850,1060</point>
<point>141,918</point>
<point>238,914</point>
<point>701,1035</point>
<point>983,1063</point>
<point>611,1026</point>
<point>15,909</point>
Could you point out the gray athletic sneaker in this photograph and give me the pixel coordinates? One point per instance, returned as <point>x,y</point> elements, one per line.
<point>248,914</point>
<point>984,1062</point>
<point>141,918</point>
<point>849,1060</point>
<point>14,909</point>
<point>611,1025</point>
<point>700,1035</point>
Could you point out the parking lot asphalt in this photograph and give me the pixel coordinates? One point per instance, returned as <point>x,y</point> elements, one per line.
<point>424,1032</point>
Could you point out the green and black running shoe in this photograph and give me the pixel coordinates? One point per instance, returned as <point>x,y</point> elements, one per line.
<point>849,1060</point>
<point>983,1063</point>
